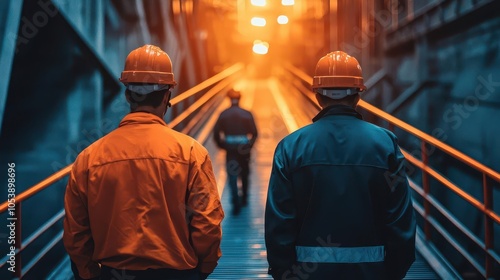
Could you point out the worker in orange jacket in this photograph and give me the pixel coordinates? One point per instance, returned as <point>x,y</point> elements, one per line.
<point>142,201</point>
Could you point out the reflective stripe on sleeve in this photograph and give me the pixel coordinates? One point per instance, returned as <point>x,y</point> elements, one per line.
<point>340,254</point>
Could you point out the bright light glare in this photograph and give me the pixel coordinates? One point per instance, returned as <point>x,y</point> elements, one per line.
<point>258,21</point>
<point>260,3</point>
<point>260,47</point>
<point>282,19</point>
<point>287,2</point>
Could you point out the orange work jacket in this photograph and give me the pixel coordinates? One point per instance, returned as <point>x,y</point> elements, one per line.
<point>143,196</point>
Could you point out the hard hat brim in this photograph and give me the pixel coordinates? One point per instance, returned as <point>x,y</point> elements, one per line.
<point>148,77</point>
<point>338,82</point>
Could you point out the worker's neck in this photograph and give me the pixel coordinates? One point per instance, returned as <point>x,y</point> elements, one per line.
<point>337,104</point>
<point>159,112</point>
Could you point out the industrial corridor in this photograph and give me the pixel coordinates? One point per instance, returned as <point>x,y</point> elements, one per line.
<point>425,73</point>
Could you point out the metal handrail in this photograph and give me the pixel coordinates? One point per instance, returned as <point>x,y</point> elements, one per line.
<point>200,118</point>
<point>407,127</point>
<point>450,185</point>
<point>57,217</point>
<point>450,217</point>
<point>486,207</point>
<point>431,140</point>
<point>38,187</point>
<point>208,82</point>
<point>219,80</point>
<point>200,102</point>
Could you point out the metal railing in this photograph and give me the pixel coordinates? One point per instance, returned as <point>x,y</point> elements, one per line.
<point>429,201</point>
<point>218,82</point>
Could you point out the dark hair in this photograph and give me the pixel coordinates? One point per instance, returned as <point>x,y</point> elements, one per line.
<point>152,99</point>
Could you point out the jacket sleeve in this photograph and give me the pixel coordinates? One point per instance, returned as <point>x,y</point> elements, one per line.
<point>280,219</point>
<point>206,212</point>
<point>77,237</point>
<point>217,131</point>
<point>400,222</point>
<point>253,130</point>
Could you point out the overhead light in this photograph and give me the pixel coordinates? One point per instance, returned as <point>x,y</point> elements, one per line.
<point>258,21</point>
<point>282,19</point>
<point>260,3</point>
<point>260,47</point>
<point>287,2</point>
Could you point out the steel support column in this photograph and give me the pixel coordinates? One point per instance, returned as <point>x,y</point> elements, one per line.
<point>332,25</point>
<point>8,49</point>
<point>349,26</point>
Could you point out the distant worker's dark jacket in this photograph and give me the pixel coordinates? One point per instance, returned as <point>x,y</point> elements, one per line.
<point>235,123</point>
<point>339,204</point>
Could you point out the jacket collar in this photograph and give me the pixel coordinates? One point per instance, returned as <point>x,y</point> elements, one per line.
<point>141,118</point>
<point>337,110</point>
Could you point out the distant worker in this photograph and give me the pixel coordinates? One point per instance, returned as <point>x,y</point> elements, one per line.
<point>235,132</point>
<point>339,204</point>
<point>142,202</point>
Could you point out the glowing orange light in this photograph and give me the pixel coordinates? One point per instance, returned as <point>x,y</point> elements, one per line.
<point>282,19</point>
<point>287,2</point>
<point>258,21</point>
<point>260,3</point>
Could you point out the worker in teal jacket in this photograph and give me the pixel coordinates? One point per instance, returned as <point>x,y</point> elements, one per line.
<point>339,205</point>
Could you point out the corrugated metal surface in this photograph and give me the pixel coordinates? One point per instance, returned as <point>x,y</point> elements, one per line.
<point>421,270</point>
<point>243,248</point>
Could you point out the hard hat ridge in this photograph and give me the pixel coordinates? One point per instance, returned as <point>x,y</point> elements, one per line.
<point>338,70</point>
<point>148,65</point>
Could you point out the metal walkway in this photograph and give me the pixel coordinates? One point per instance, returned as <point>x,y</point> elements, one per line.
<point>243,248</point>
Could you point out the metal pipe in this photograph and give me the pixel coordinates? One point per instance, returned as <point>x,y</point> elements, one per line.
<point>488,225</point>
<point>38,187</point>
<point>427,189</point>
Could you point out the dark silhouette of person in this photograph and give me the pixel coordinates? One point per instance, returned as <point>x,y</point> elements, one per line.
<point>235,132</point>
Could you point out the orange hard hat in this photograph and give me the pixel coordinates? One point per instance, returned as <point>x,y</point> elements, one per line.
<point>338,70</point>
<point>148,65</point>
<point>233,94</point>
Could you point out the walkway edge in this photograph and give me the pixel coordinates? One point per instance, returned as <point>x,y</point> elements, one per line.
<point>434,258</point>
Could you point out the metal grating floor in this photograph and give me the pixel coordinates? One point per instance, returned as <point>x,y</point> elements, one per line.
<point>421,270</point>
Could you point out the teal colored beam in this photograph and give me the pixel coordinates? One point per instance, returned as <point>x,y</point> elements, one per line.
<point>8,49</point>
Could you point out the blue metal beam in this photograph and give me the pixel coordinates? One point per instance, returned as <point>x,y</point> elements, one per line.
<point>8,49</point>
<point>94,52</point>
<point>434,16</point>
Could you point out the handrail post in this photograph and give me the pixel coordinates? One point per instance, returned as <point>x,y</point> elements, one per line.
<point>391,127</point>
<point>488,225</point>
<point>18,240</point>
<point>426,187</point>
